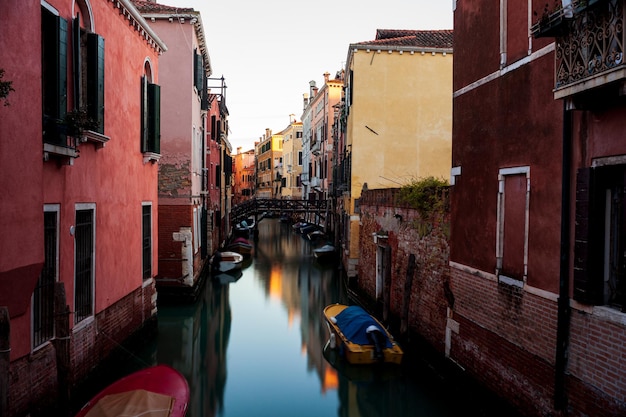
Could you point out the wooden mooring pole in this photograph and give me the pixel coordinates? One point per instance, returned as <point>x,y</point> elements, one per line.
<point>5,359</point>
<point>406,302</point>
<point>62,346</point>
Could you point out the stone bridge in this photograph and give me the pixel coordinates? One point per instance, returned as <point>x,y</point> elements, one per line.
<point>316,211</point>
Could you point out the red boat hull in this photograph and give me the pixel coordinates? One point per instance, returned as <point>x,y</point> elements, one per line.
<point>161,379</point>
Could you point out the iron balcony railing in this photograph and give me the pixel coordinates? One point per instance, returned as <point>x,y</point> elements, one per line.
<point>590,52</point>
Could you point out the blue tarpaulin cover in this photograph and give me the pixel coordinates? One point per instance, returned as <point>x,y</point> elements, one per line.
<point>353,322</point>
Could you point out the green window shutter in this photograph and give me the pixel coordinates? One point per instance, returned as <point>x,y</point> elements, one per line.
<point>62,68</point>
<point>95,79</point>
<point>77,61</point>
<point>198,71</point>
<point>144,114</point>
<point>154,118</point>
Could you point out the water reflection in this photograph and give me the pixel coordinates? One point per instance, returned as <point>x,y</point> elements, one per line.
<point>255,346</point>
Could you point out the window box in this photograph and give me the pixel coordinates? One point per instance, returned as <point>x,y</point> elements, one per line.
<point>550,25</point>
<point>97,138</point>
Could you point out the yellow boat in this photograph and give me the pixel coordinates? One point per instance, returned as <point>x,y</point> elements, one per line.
<point>359,337</point>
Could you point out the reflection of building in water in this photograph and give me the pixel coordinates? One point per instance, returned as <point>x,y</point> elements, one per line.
<point>275,284</point>
<point>330,381</point>
<point>291,276</point>
<point>193,338</point>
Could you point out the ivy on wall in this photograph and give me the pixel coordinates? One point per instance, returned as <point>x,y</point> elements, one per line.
<point>5,88</point>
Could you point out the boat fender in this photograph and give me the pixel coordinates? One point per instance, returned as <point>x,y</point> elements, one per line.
<point>333,319</point>
<point>378,340</point>
<point>333,341</point>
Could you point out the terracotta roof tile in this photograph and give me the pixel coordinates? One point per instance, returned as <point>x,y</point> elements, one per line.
<point>416,38</point>
<point>153,7</point>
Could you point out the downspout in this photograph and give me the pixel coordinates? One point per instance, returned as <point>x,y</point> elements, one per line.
<point>563,313</point>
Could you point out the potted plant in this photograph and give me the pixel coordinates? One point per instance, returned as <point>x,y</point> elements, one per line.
<point>79,121</point>
<point>551,23</point>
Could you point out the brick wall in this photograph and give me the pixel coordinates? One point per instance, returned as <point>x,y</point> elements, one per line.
<point>502,335</point>
<point>33,378</point>
<point>407,233</point>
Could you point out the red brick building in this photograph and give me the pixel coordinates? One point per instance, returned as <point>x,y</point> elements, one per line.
<point>537,225</point>
<point>78,151</point>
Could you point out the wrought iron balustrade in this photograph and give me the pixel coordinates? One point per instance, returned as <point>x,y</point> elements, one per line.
<point>590,53</point>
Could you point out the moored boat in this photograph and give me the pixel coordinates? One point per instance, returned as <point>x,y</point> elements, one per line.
<point>229,277</point>
<point>155,391</point>
<point>224,261</point>
<point>325,252</point>
<point>359,337</point>
<point>240,245</point>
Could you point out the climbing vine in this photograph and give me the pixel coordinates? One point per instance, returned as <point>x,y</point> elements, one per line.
<point>427,195</point>
<point>5,88</point>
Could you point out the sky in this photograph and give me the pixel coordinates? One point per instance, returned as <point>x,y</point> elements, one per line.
<point>269,50</point>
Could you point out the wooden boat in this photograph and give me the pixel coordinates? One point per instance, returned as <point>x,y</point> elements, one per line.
<point>316,236</point>
<point>229,277</point>
<point>226,261</point>
<point>240,245</point>
<point>359,337</point>
<point>156,391</point>
<point>325,252</point>
<point>298,225</point>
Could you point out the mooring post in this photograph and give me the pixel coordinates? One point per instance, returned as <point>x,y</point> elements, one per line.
<point>5,359</point>
<point>387,283</point>
<point>406,302</point>
<point>62,347</point>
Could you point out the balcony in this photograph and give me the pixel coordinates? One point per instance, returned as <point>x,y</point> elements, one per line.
<point>315,148</point>
<point>590,54</point>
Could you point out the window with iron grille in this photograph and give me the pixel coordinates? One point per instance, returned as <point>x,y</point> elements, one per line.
<point>83,264</point>
<point>43,296</point>
<point>147,240</point>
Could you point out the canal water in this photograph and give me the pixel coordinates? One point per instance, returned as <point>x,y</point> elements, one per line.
<point>255,347</point>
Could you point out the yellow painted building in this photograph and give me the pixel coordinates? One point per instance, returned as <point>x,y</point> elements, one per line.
<point>398,117</point>
<point>269,152</point>
<point>292,161</point>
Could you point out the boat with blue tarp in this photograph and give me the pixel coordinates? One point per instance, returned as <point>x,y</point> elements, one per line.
<point>359,337</point>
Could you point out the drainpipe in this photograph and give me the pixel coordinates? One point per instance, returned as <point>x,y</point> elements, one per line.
<point>563,313</point>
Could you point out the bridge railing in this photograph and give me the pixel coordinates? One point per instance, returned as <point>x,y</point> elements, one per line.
<point>276,207</point>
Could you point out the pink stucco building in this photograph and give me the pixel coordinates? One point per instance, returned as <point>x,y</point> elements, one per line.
<point>78,219</point>
<point>184,206</point>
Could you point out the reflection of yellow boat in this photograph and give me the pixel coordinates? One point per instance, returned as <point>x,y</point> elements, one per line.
<point>359,337</point>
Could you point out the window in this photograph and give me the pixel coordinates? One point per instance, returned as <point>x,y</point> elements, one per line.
<point>88,74</point>
<point>300,158</point>
<point>146,233</point>
<point>196,230</point>
<point>54,76</point>
<point>84,242</point>
<point>514,31</point>
<point>43,296</point>
<point>512,225</point>
<point>600,245</point>
<point>383,267</point>
<point>151,117</point>
<point>198,71</point>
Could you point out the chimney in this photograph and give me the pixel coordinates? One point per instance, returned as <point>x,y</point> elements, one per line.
<point>305,100</point>
<point>268,133</point>
<point>326,75</point>
<point>313,88</point>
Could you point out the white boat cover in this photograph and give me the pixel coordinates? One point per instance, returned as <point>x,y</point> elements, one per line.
<point>133,403</point>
